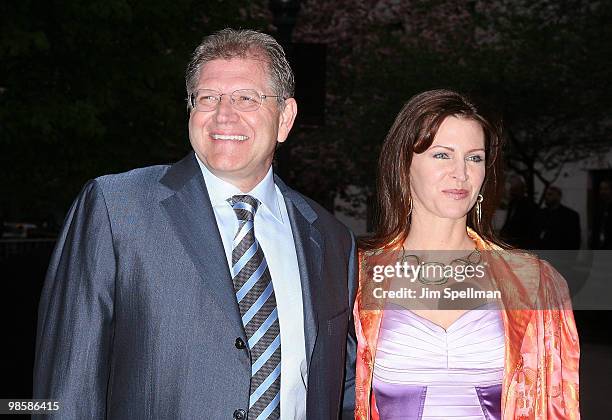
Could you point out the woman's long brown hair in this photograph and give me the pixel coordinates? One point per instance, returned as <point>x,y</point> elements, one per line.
<point>413,132</point>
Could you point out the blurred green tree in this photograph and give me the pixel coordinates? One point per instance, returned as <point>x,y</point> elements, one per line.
<point>544,65</point>
<point>88,88</point>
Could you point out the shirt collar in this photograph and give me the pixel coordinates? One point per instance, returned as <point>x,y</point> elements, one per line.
<point>219,191</point>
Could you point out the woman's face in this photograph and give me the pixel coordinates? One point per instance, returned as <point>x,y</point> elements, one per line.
<point>446,178</point>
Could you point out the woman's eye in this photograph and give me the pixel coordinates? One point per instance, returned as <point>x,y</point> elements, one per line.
<point>476,158</point>
<point>441,155</point>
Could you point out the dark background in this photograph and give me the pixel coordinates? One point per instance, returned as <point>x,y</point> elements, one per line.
<point>95,87</point>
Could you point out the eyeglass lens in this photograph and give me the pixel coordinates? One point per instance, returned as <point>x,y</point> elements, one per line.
<point>241,99</point>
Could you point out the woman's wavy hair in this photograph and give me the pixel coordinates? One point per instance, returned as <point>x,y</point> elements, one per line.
<point>413,132</point>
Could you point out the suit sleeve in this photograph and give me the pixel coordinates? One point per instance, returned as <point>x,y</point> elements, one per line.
<point>348,400</point>
<point>75,315</point>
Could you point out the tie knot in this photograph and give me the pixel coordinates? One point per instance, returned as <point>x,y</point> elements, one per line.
<point>245,206</point>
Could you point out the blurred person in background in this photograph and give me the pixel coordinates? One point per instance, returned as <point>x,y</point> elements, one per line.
<point>518,229</point>
<point>601,236</point>
<point>558,226</point>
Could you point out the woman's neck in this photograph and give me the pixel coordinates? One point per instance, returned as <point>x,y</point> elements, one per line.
<point>438,234</point>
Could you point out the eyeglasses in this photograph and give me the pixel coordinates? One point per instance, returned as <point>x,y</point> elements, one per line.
<point>241,99</point>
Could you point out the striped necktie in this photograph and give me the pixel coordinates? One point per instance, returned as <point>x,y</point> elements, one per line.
<point>255,295</point>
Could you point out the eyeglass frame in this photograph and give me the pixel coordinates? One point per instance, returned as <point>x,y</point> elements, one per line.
<point>262,96</point>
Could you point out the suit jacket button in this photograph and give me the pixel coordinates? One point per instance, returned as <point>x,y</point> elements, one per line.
<point>239,345</point>
<point>240,414</point>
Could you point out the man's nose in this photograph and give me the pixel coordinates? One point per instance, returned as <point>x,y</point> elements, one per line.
<point>225,110</point>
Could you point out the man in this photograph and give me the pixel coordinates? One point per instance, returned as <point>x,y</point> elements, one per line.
<point>518,229</point>
<point>601,236</point>
<point>207,289</point>
<point>558,225</point>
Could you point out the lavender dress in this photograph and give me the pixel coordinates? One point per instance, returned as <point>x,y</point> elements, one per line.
<point>424,372</point>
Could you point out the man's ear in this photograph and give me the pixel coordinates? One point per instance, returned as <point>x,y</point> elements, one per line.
<point>286,119</point>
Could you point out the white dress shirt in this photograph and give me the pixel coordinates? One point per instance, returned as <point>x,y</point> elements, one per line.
<point>273,232</point>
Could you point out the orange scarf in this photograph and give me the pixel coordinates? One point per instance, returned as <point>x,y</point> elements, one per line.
<point>540,379</point>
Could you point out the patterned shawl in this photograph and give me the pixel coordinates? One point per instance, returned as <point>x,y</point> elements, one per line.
<point>540,379</point>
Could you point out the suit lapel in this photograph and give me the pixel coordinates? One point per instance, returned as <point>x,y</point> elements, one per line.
<point>191,215</point>
<point>309,249</point>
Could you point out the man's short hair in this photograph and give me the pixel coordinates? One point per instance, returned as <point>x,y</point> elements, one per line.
<point>243,43</point>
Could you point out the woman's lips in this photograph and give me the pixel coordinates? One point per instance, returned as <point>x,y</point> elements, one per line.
<point>456,194</point>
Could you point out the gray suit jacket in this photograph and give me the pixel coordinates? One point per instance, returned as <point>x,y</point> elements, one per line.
<point>138,317</point>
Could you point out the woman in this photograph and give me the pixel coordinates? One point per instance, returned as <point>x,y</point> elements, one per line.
<point>437,190</point>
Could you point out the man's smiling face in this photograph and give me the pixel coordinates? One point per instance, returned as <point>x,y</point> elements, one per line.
<point>238,146</point>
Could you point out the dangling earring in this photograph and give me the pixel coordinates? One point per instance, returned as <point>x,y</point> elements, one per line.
<point>479,207</point>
